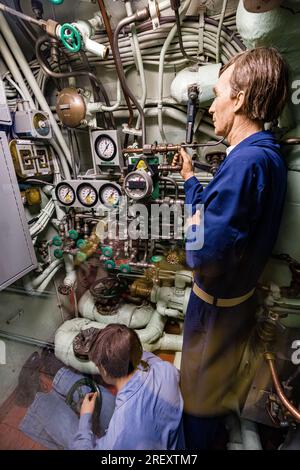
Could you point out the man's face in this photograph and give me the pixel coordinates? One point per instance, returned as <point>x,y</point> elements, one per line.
<point>222,108</point>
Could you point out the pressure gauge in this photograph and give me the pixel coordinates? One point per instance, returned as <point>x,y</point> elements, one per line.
<point>65,194</point>
<point>87,195</point>
<point>110,195</point>
<point>138,185</point>
<point>105,147</point>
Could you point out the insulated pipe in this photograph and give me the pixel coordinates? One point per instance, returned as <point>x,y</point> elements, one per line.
<point>149,337</point>
<point>96,107</point>
<point>12,66</point>
<point>45,283</point>
<point>269,357</point>
<point>38,280</point>
<point>138,55</point>
<point>218,55</point>
<point>250,436</point>
<point>19,56</point>
<point>139,15</point>
<point>167,42</point>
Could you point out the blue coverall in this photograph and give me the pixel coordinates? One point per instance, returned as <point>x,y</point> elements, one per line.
<point>242,211</point>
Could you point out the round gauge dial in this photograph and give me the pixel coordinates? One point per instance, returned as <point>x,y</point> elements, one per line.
<point>105,147</point>
<point>87,195</point>
<point>65,194</point>
<point>110,195</point>
<point>138,185</point>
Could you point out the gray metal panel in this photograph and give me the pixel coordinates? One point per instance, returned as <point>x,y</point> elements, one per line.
<point>17,255</point>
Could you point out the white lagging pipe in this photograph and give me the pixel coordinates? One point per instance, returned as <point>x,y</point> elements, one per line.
<point>13,68</point>
<point>45,283</point>
<point>139,59</point>
<point>38,280</point>
<point>22,62</point>
<point>130,315</point>
<point>66,333</point>
<point>167,42</point>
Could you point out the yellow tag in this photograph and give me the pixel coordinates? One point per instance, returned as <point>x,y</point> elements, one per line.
<point>141,165</point>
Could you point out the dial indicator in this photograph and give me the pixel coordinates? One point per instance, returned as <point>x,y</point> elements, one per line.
<point>87,195</point>
<point>65,194</point>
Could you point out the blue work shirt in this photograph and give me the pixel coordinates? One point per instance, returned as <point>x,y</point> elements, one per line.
<point>148,413</point>
<point>242,211</point>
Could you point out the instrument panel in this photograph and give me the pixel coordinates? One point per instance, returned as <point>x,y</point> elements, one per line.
<point>88,194</point>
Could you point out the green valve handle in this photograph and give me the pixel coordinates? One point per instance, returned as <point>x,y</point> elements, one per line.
<point>57,241</point>
<point>58,253</point>
<point>81,243</point>
<point>73,234</point>
<point>107,251</point>
<point>81,257</point>
<point>157,259</point>
<point>125,268</point>
<point>70,37</point>
<point>110,264</point>
<point>57,2</point>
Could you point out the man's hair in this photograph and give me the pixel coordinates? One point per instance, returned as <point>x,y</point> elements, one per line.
<point>263,75</point>
<point>117,349</point>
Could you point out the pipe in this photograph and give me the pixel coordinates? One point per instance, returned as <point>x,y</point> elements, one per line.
<point>179,33</point>
<point>162,309</point>
<point>270,358</point>
<point>78,73</point>
<point>4,27</point>
<point>139,15</point>
<point>38,280</point>
<point>12,66</point>
<point>11,11</point>
<point>149,337</point>
<point>45,283</point>
<point>96,107</point>
<point>138,55</point>
<point>224,6</point>
<point>161,70</point>
<point>250,436</point>
<point>111,42</point>
<point>26,340</point>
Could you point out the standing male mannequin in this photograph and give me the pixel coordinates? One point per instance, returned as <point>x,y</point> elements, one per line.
<point>242,211</point>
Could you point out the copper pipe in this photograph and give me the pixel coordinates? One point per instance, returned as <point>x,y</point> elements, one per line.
<point>111,42</point>
<point>269,357</point>
<point>164,148</point>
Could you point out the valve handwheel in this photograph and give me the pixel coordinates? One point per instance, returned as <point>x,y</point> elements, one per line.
<point>70,37</point>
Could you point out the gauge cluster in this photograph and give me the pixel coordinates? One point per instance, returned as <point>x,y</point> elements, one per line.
<point>88,194</point>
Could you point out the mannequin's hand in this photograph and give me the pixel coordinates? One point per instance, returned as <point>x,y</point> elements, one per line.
<point>182,157</point>
<point>88,404</point>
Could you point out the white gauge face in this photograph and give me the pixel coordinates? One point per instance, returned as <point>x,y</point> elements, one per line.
<point>110,195</point>
<point>65,194</point>
<point>105,148</point>
<point>87,195</point>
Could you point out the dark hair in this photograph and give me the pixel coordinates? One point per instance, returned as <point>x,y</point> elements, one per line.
<point>117,349</point>
<point>263,75</point>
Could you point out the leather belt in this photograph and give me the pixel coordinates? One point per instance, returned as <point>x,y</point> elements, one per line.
<point>210,299</point>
